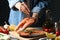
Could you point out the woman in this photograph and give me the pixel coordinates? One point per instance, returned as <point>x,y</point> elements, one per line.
<point>19,11</point>
<point>31,9</point>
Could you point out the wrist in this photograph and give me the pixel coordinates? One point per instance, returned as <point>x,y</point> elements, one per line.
<point>35,16</point>
<point>35,19</point>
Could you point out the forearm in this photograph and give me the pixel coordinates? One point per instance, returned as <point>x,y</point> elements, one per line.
<point>35,17</point>
<point>41,5</point>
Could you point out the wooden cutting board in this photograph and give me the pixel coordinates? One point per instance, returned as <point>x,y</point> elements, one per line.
<point>15,35</point>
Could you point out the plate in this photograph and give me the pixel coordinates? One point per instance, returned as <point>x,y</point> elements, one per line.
<point>31,36</point>
<point>32,33</point>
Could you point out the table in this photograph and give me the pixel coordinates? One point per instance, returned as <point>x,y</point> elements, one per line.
<point>15,35</point>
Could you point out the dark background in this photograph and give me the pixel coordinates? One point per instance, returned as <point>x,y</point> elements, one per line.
<point>55,8</point>
<point>4,11</point>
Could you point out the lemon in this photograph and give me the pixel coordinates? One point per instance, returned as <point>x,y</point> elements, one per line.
<point>57,38</point>
<point>50,35</point>
<point>12,27</point>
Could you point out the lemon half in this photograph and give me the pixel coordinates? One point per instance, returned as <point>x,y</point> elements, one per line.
<point>12,27</point>
<point>57,38</point>
<point>50,35</point>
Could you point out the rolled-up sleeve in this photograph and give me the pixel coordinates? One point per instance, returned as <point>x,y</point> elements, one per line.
<point>13,2</point>
<point>39,6</point>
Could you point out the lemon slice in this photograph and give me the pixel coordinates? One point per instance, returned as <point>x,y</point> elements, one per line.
<point>57,38</point>
<point>12,27</point>
<point>50,35</point>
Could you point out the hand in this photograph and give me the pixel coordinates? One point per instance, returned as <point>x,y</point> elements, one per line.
<point>27,9</point>
<point>21,23</point>
<point>22,7</point>
<point>18,5</point>
<point>26,22</point>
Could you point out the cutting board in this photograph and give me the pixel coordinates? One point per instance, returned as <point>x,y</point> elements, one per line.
<point>15,35</point>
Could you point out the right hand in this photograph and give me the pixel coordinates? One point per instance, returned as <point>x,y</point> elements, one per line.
<point>22,7</point>
<point>24,24</point>
<point>21,24</point>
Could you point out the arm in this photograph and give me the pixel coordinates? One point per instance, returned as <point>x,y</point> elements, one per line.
<point>38,8</point>
<point>30,21</point>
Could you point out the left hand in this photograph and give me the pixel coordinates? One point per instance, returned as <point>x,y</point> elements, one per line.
<point>24,8</point>
<point>24,23</point>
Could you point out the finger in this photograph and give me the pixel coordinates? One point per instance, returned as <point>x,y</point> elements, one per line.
<point>26,6</point>
<point>24,27</point>
<point>26,12</point>
<point>22,8</point>
<point>21,24</point>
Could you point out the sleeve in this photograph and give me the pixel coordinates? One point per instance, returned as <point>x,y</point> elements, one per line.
<point>39,6</point>
<point>13,2</point>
